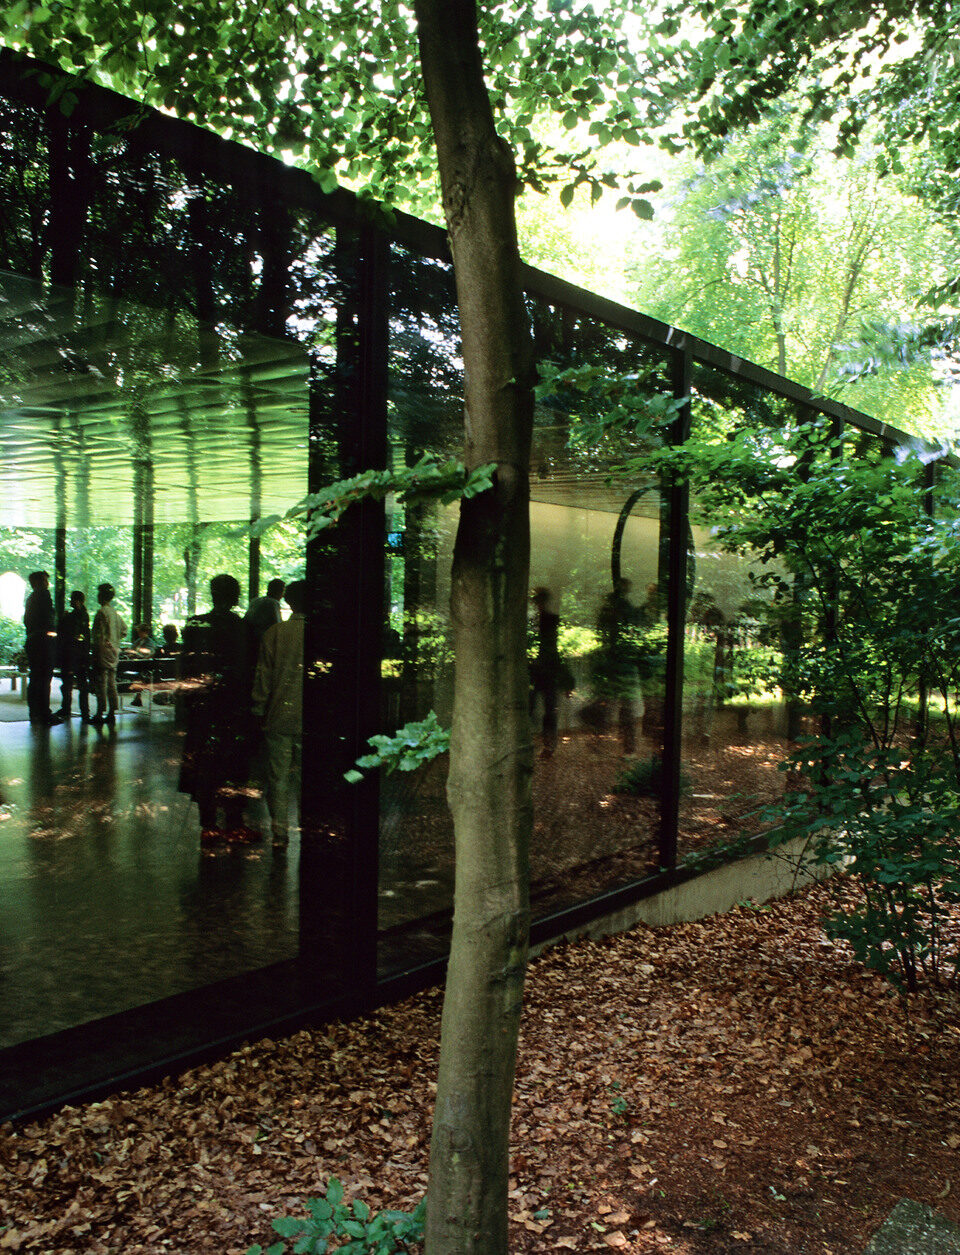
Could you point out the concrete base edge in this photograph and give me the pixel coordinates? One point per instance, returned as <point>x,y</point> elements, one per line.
<point>758,878</point>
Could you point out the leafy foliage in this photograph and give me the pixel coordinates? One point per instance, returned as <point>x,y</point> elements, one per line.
<point>413,745</point>
<point>359,1231</point>
<point>11,639</point>
<point>427,480</point>
<point>886,72</point>
<point>870,576</point>
<point>785,254</point>
<point>604,405</point>
<point>315,83</point>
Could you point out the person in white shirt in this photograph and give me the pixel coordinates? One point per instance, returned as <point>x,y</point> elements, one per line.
<point>105,636</point>
<point>278,704</point>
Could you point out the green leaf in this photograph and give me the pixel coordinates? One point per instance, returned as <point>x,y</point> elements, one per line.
<point>334,1191</point>
<point>410,747</point>
<point>287,1227</point>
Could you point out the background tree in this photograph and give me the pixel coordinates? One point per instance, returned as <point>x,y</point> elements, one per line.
<point>884,72</point>
<point>781,251</point>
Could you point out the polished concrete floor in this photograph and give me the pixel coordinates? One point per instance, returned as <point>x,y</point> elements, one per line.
<point>106,900</point>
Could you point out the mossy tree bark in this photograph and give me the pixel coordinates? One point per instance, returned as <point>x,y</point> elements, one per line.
<point>491,754</point>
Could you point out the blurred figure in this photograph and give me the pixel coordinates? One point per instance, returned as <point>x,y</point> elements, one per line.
<point>105,637</point>
<point>278,703</point>
<point>264,612</point>
<point>651,664</point>
<point>615,670</point>
<point>168,668</point>
<point>144,646</point>
<point>73,644</point>
<point>217,670</point>
<point>548,674</point>
<point>141,641</point>
<point>39,624</point>
<point>170,643</point>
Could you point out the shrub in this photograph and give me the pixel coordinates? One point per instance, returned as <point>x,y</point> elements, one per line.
<point>11,639</point>
<point>360,1232</point>
<point>863,578</point>
<point>642,777</point>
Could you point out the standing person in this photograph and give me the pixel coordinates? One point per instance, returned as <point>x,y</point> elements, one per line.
<point>616,675</point>
<point>73,644</point>
<point>144,647</point>
<point>548,673</point>
<point>217,668</point>
<point>278,704</point>
<point>39,624</point>
<point>108,631</point>
<point>264,612</point>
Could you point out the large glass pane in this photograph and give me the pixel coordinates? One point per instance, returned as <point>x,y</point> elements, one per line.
<point>425,406</point>
<point>166,344</point>
<point>739,716</point>
<point>597,628</point>
<point>598,617</point>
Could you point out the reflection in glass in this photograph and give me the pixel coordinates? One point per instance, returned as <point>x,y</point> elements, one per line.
<point>597,628</point>
<point>738,719</point>
<point>163,338</point>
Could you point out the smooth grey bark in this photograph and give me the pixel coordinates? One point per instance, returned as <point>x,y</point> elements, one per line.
<point>491,753</point>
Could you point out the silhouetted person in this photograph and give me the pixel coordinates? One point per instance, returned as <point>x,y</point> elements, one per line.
<point>73,643</point>
<point>264,612</point>
<point>39,624</point>
<point>278,703</point>
<point>142,645</point>
<point>218,673</point>
<point>170,641</point>
<point>651,664</point>
<point>548,674</point>
<point>105,637</point>
<point>615,671</point>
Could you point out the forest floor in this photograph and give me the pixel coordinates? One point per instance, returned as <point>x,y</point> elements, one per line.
<point>734,1085</point>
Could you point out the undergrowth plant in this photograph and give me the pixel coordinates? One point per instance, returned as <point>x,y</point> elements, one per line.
<point>643,777</point>
<point>357,1230</point>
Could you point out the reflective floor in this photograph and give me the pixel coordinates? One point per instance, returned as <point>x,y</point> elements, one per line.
<point>106,900</point>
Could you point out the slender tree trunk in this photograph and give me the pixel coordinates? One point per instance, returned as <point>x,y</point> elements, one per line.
<point>491,752</point>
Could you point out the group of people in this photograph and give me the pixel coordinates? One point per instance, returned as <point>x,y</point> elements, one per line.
<point>86,655</point>
<point>238,677</point>
<point>242,676</point>
<point>629,660</point>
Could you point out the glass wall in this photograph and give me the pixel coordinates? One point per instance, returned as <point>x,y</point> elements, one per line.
<point>739,717</point>
<point>424,415</point>
<point>597,643</point>
<point>168,375</point>
<point>597,627</point>
<point>192,338</point>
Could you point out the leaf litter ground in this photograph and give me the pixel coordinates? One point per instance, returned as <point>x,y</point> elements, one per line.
<point>733,1085</point>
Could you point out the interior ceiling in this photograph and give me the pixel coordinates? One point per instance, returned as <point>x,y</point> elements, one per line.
<point>95,403</point>
<point>91,399</point>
